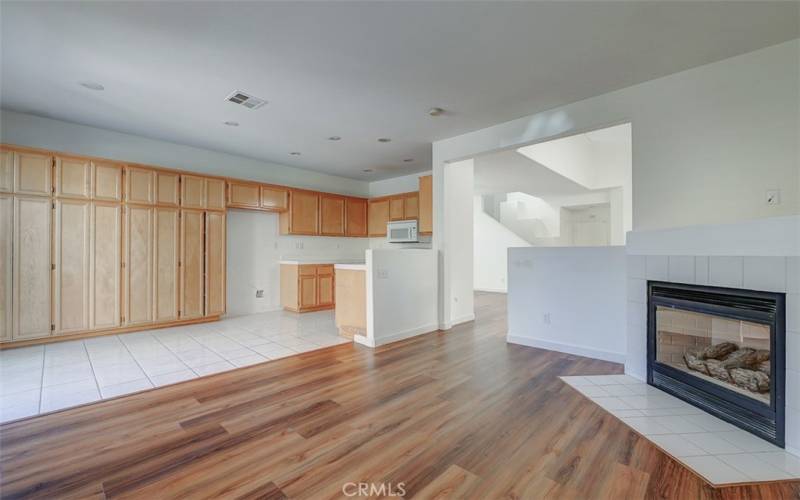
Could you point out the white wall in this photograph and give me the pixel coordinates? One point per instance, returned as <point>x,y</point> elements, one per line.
<point>254,248</point>
<point>401,295</point>
<point>491,242</point>
<point>568,299</point>
<point>707,145</point>
<point>403,184</point>
<point>459,182</point>
<point>34,131</point>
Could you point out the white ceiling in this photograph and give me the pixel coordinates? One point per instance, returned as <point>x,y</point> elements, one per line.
<point>359,70</point>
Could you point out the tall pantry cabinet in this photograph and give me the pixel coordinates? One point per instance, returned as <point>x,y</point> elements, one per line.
<point>95,246</point>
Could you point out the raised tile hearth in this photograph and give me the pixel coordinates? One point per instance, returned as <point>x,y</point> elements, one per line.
<point>719,452</point>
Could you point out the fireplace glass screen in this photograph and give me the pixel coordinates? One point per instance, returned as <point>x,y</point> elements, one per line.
<point>731,353</point>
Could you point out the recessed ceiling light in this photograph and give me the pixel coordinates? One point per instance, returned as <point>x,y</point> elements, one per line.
<point>334,138</point>
<point>384,139</point>
<point>435,111</point>
<point>408,160</point>
<point>92,85</point>
<point>368,170</point>
<point>295,153</point>
<point>232,124</point>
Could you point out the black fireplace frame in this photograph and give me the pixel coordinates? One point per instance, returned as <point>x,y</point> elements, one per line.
<point>769,308</point>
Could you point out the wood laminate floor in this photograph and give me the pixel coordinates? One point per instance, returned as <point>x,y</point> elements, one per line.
<point>460,414</point>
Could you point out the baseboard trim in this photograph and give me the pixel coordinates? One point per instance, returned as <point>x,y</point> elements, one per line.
<point>614,357</point>
<point>456,322</point>
<point>396,337</point>
<point>491,290</point>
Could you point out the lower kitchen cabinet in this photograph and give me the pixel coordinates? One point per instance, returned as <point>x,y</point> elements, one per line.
<point>307,287</point>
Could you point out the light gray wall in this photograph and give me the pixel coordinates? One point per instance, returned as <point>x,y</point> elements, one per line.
<point>34,131</point>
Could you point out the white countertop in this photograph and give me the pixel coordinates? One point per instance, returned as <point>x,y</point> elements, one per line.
<point>351,267</point>
<point>317,260</point>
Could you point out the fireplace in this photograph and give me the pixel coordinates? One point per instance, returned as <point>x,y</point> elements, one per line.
<point>722,350</point>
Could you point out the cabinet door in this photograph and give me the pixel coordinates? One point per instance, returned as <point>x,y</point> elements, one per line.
<point>325,285</point>
<point>396,208</point>
<point>411,206</point>
<point>72,266</point>
<point>426,204</point>
<point>6,251</point>
<point>104,265</point>
<point>138,265</point>
<point>167,188</point>
<point>215,194</point>
<point>276,199</point>
<point>73,178</point>
<point>307,286</point>
<point>166,255</point>
<point>140,185</point>
<point>331,215</point>
<point>32,174</point>
<point>193,191</point>
<point>304,213</point>
<point>244,195</point>
<point>107,181</point>
<point>191,265</point>
<point>32,261</point>
<point>378,217</point>
<point>356,217</point>
<point>215,263</point>
<point>6,171</point>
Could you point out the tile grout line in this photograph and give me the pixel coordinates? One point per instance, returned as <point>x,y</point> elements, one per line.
<point>137,361</point>
<point>171,352</point>
<point>41,380</point>
<point>94,374</point>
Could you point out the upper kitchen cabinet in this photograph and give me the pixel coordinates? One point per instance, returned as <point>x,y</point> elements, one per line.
<point>215,194</point>
<point>193,191</point>
<point>396,208</point>
<point>106,181</point>
<point>378,216</point>
<point>140,185</point>
<point>6,171</point>
<point>303,215</point>
<point>202,192</point>
<point>332,219</point>
<point>244,195</point>
<point>274,198</point>
<point>356,217</point>
<point>73,178</point>
<point>411,206</point>
<point>32,173</point>
<point>426,204</point>
<point>167,189</point>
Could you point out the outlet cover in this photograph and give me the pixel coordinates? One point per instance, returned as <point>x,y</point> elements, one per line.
<point>259,294</point>
<point>773,197</point>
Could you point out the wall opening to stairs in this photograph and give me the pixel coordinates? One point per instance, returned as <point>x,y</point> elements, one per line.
<point>571,191</point>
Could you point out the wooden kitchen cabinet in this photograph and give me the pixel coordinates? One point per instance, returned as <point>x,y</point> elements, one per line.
<point>378,216</point>
<point>274,198</point>
<point>303,215</point>
<point>396,208</point>
<point>193,191</point>
<point>32,173</point>
<point>105,232</point>
<point>244,195</point>
<point>215,263</point>
<point>307,287</point>
<point>411,206</point>
<point>6,261</point>
<point>140,185</point>
<point>192,261</point>
<point>6,171</point>
<point>332,218</point>
<point>72,266</point>
<point>73,178</point>
<point>215,194</point>
<point>138,265</point>
<point>166,255</point>
<point>31,272</point>
<point>426,204</point>
<point>106,181</point>
<point>167,189</point>
<point>356,217</point>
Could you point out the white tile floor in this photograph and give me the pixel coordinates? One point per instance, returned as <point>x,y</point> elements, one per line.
<point>718,451</point>
<point>50,377</point>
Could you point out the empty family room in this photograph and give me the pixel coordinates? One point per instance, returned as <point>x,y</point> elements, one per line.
<point>389,249</point>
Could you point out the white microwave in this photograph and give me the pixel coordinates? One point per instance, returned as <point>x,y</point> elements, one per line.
<point>402,231</point>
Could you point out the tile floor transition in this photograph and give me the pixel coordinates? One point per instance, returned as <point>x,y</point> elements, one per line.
<point>51,377</point>
<point>716,450</point>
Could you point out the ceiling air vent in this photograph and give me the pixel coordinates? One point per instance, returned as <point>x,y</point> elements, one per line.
<point>246,100</point>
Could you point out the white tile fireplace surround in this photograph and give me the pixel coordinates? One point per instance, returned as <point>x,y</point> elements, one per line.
<point>762,255</point>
